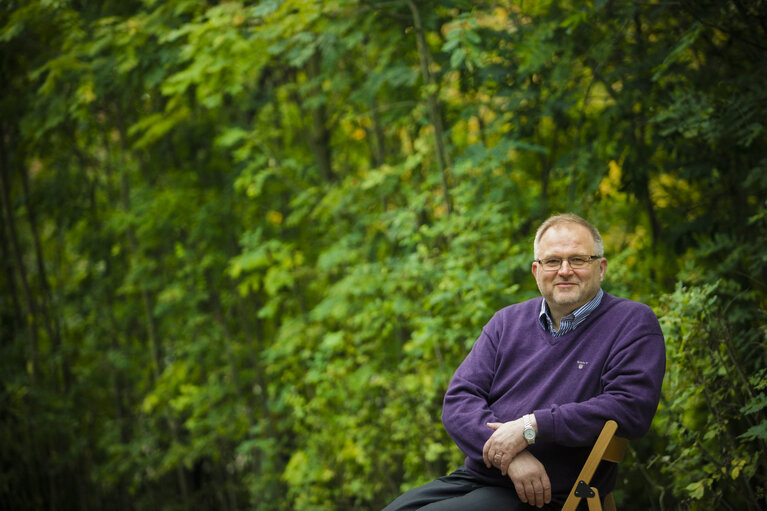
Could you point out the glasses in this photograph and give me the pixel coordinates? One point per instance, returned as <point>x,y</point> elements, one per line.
<point>575,262</point>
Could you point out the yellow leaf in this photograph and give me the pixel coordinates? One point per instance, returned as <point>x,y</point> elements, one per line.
<point>611,183</point>
<point>737,468</point>
<point>274,217</point>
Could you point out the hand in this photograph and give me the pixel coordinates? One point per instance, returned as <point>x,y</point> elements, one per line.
<point>505,443</point>
<point>530,479</point>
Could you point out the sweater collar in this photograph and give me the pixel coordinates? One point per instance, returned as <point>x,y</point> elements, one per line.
<point>569,322</point>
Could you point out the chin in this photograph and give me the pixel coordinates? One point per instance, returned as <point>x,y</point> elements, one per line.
<point>567,301</point>
<point>567,297</point>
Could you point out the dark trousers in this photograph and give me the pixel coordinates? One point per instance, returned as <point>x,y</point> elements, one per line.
<point>461,491</point>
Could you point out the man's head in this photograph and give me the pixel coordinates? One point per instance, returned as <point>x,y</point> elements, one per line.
<point>558,241</point>
<point>565,218</point>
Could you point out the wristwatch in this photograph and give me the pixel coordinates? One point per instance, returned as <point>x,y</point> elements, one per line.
<point>528,432</point>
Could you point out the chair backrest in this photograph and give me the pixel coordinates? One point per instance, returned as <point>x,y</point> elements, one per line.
<point>608,447</point>
<point>616,450</point>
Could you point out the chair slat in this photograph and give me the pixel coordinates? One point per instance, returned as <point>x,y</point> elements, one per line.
<point>607,447</point>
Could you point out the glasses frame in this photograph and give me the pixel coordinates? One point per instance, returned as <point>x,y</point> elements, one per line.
<point>589,259</point>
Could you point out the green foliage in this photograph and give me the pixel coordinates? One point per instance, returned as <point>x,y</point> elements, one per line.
<point>245,245</point>
<point>708,458</point>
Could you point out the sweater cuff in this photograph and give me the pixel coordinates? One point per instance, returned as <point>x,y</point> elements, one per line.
<point>545,422</point>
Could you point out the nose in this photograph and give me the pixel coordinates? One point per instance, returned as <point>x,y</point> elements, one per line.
<point>565,268</point>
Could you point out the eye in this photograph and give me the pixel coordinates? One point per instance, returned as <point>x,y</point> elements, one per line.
<point>578,261</point>
<point>552,263</point>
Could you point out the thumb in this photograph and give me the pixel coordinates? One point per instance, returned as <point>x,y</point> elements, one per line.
<point>494,425</point>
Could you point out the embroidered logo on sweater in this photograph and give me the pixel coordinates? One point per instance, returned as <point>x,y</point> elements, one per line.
<point>581,363</point>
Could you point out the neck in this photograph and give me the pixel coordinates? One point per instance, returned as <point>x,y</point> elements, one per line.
<point>556,314</point>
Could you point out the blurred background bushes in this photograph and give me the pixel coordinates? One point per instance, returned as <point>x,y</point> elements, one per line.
<point>245,245</point>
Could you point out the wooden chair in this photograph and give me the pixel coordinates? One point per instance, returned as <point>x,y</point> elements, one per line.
<point>608,447</point>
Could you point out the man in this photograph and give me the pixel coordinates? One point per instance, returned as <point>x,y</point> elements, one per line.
<point>529,400</point>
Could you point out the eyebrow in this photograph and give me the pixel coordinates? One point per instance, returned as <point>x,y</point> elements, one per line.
<point>565,257</point>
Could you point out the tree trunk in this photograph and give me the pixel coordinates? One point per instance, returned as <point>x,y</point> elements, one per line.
<point>148,306</point>
<point>319,136</point>
<point>31,312</point>
<point>433,104</point>
<point>17,321</point>
<point>50,318</point>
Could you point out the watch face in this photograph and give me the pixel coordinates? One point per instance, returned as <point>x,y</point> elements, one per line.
<point>529,434</point>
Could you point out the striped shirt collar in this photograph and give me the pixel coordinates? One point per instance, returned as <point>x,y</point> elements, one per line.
<point>569,322</point>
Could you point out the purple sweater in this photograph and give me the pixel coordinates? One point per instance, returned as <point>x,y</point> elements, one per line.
<point>610,367</point>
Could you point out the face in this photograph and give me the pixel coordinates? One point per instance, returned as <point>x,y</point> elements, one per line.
<point>567,289</point>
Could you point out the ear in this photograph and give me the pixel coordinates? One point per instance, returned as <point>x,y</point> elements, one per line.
<point>602,269</point>
<point>535,268</point>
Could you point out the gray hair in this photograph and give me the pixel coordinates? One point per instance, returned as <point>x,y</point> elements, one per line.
<point>569,218</point>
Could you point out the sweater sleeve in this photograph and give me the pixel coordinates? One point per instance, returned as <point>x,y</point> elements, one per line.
<point>466,409</point>
<point>631,386</point>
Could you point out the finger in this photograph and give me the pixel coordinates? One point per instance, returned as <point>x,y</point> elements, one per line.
<point>489,453</point>
<point>546,489</point>
<point>497,459</point>
<point>486,453</point>
<point>521,492</point>
<point>529,493</point>
<point>494,425</point>
<point>505,462</point>
<point>538,493</point>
